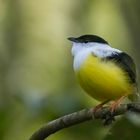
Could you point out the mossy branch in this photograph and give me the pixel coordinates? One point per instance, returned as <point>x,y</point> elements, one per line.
<point>82,116</point>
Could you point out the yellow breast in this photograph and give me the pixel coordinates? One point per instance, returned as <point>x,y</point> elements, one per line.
<point>103,80</point>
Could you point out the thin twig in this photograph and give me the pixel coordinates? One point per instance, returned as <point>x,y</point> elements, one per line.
<point>81,116</point>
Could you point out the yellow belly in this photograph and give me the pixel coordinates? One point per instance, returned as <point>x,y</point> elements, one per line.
<point>103,80</point>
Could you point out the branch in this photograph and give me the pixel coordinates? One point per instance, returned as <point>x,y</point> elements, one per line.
<point>82,116</point>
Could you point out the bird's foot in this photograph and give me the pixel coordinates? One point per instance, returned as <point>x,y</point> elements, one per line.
<point>99,107</point>
<point>106,113</point>
<point>115,104</point>
<point>108,116</point>
<point>103,113</point>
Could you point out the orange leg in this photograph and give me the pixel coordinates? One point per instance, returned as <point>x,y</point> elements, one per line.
<point>99,106</point>
<point>115,104</point>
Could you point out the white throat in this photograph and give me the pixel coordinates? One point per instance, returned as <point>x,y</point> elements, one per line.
<point>81,50</point>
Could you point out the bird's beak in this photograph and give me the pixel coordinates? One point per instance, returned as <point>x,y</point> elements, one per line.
<point>72,39</point>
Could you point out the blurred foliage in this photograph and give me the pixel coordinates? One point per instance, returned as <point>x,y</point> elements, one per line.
<point>124,129</point>
<point>37,83</point>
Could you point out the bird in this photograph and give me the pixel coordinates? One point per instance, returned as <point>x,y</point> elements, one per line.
<point>105,73</point>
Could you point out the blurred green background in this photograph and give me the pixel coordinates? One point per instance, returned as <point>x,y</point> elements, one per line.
<point>37,82</point>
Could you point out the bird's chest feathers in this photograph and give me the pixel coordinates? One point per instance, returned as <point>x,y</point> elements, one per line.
<point>81,53</point>
<point>88,65</point>
<point>92,66</point>
<point>98,76</point>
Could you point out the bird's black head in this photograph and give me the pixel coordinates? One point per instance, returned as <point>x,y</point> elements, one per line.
<point>88,39</point>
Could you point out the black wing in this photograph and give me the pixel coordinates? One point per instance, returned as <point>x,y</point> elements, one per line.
<point>126,62</point>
